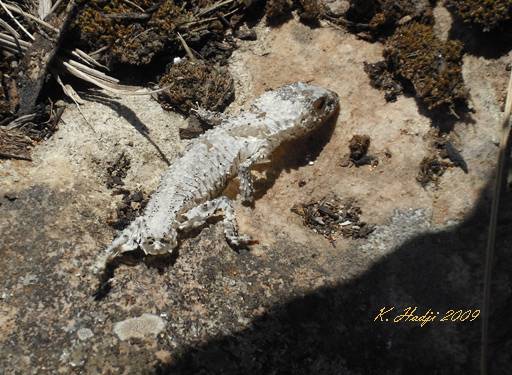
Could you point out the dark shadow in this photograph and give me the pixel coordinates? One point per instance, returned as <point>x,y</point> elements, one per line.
<point>337,329</point>
<point>444,118</point>
<point>490,45</point>
<point>129,115</point>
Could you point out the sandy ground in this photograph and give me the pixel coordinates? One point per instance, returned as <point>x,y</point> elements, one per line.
<point>248,312</point>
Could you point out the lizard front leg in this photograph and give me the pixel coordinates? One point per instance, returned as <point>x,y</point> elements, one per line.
<point>198,215</point>
<point>209,117</point>
<point>260,152</point>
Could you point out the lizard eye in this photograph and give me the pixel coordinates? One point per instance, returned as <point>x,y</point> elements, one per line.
<point>319,104</point>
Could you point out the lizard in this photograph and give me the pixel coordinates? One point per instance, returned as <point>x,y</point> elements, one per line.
<point>190,190</point>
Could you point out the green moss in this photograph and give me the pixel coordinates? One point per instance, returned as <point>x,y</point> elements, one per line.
<point>432,66</point>
<point>488,14</point>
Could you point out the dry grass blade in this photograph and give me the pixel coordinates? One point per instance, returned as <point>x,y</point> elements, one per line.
<point>187,49</point>
<point>9,49</point>
<point>12,41</point>
<point>20,121</point>
<point>55,6</point>
<point>23,44</point>
<point>10,45</point>
<point>72,94</point>
<point>134,5</point>
<point>44,8</point>
<point>491,238</point>
<point>104,84</point>
<point>15,9</point>
<point>6,9</point>
<point>69,91</point>
<point>92,72</point>
<point>87,59</point>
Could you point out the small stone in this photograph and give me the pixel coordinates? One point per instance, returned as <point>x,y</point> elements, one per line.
<point>244,33</point>
<point>337,7</point>
<point>163,356</point>
<point>345,162</point>
<point>84,334</point>
<point>139,327</point>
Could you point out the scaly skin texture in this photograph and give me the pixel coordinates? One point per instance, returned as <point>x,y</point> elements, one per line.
<point>189,191</point>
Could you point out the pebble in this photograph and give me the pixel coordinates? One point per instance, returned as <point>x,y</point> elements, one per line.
<point>84,334</point>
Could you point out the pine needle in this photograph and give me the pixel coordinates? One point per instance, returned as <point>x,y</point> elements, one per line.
<point>4,6</point>
<point>15,9</point>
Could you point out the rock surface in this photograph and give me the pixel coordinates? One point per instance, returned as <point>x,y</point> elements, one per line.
<point>294,303</point>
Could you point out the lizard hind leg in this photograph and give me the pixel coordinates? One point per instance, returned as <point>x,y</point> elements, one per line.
<point>198,215</point>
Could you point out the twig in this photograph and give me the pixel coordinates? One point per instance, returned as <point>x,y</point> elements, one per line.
<point>38,57</point>
<point>98,51</point>
<point>134,5</point>
<point>196,22</point>
<point>491,238</point>
<point>214,6</point>
<point>20,121</point>
<point>127,16</point>
<point>55,6</point>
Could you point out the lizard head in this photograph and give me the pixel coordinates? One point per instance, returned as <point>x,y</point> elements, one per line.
<point>298,108</point>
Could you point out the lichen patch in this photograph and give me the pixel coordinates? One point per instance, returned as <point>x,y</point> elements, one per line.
<point>139,327</point>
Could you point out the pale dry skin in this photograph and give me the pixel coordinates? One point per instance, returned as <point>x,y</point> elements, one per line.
<point>188,191</point>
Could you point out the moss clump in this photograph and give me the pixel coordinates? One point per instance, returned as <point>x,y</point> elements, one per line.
<point>432,66</point>
<point>383,79</point>
<point>132,36</point>
<point>488,14</point>
<point>311,12</point>
<point>358,146</point>
<point>380,17</point>
<point>196,83</point>
<point>277,10</point>
<point>431,169</point>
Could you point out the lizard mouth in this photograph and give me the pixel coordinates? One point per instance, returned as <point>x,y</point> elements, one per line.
<point>152,246</point>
